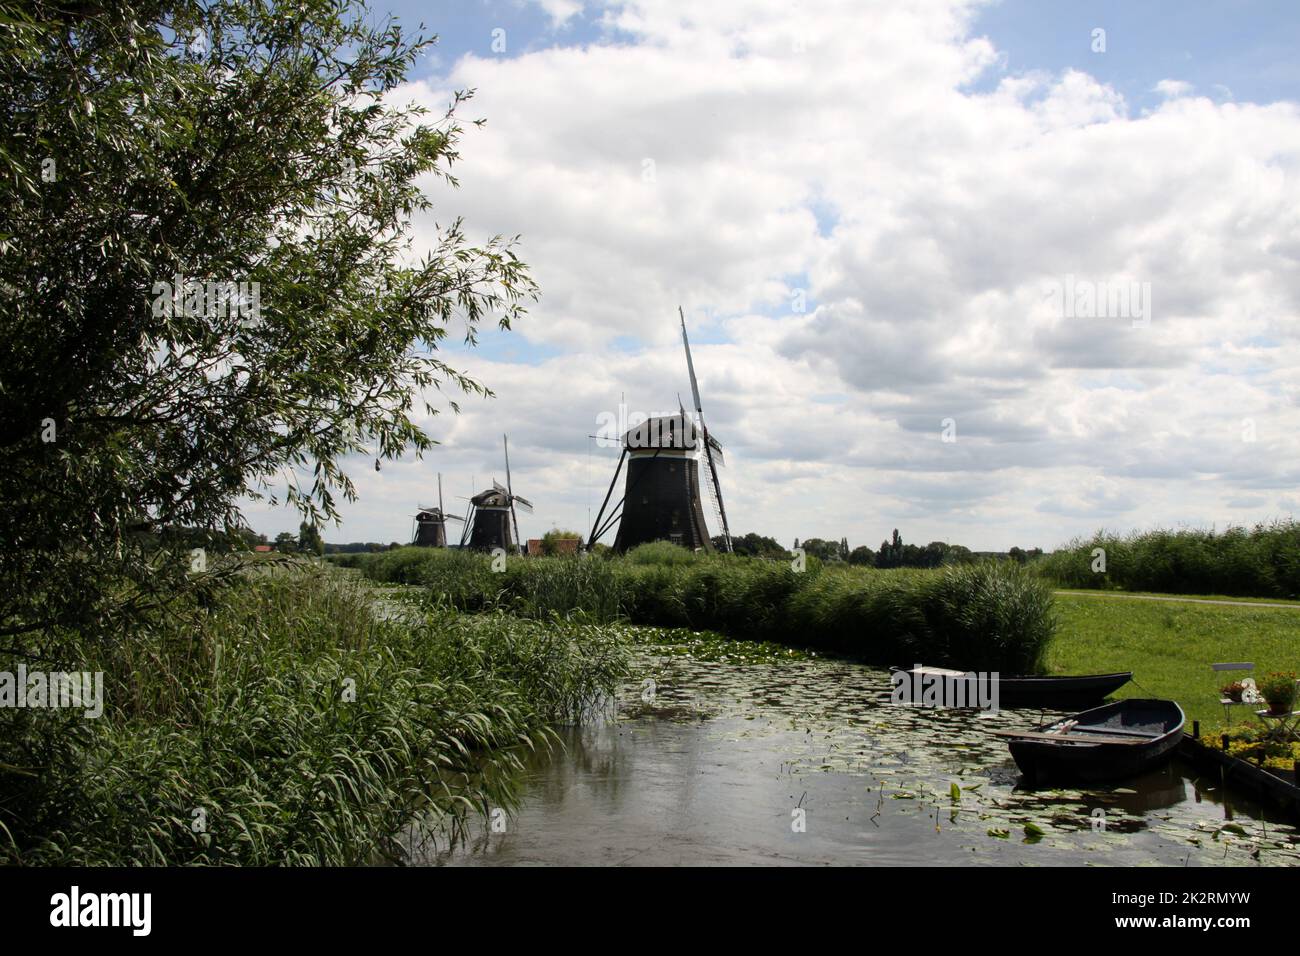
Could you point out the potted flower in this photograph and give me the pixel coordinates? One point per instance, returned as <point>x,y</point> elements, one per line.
<point>1233,691</point>
<point>1278,689</point>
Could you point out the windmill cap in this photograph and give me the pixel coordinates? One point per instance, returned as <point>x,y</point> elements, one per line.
<point>490,499</point>
<point>666,431</point>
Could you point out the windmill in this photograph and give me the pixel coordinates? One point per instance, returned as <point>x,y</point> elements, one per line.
<point>431,523</point>
<point>661,498</point>
<point>492,520</point>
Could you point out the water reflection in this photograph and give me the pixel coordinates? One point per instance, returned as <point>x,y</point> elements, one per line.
<point>755,757</point>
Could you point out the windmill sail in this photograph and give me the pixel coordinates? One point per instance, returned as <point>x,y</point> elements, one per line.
<point>514,519</point>
<point>709,443</point>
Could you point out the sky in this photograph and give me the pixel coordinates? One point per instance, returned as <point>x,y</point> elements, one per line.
<point>994,274</point>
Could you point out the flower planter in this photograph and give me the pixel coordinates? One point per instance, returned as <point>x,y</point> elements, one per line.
<point>1278,790</point>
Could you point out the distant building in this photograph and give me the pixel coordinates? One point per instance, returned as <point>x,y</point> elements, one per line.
<point>562,546</point>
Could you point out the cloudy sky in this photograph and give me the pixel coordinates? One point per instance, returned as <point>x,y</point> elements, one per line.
<point>991,273</point>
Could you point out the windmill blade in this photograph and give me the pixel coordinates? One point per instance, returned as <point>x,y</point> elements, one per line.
<point>464,533</point>
<point>690,365</point>
<point>440,508</point>
<point>499,488</point>
<point>716,447</point>
<point>523,503</point>
<point>514,520</point>
<point>708,441</point>
<point>452,518</point>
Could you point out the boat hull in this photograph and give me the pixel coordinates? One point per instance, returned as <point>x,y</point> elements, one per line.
<point>1075,692</point>
<point>1043,761</point>
<point>1059,693</point>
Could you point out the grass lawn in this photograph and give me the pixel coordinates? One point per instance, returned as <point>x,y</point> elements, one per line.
<point>1169,647</point>
<point>1121,595</point>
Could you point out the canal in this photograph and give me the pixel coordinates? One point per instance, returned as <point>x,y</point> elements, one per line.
<point>731,752</point>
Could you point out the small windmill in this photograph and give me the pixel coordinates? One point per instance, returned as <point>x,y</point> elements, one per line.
<point>661,498</point>
<point>430,529</point>
<point>492,520</point>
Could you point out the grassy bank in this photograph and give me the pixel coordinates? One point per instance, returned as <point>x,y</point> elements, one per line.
<point>291,723</point>
<point>1263,561</point>
<point>1170,647</point>
<point>987,616</point>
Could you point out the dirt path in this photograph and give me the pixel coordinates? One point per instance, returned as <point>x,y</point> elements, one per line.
<point>1181,600</point>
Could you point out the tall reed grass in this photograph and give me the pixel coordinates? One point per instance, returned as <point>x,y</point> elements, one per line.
<point>1263,561</point>
<point>292,724</point>
<point>992,616</point>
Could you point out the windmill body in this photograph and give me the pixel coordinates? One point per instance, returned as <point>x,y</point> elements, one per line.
<point>493,522</point>
<point>431,524</point>
<point>661,499</point>
<point>430,528</point>
<point>490,526</point>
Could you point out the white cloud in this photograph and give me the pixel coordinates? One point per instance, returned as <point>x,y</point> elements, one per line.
<point>844,151</point>
<point>1172,88</point>
<point>560,11</point>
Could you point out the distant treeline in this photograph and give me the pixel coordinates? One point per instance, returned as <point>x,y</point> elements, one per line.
<point>893,553</point>
<point>1263,561</point>
<point>360,547</point>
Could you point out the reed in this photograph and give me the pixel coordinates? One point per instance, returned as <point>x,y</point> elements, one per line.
<point>292,724</point>
<point>990,616</point>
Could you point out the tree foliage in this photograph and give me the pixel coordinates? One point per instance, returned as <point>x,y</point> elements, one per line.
<point>209,285</point>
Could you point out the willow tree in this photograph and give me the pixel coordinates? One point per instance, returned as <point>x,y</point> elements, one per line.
<point>208,283</point>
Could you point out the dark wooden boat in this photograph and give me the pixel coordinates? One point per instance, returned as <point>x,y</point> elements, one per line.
<point>1074,692</point>
<point>1109,742</point>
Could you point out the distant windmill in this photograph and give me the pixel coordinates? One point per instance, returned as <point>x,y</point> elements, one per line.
<point>493,523</point>
<point>431,523</point>
<point>661,498</point>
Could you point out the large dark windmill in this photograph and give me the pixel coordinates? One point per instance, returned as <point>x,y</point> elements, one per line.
<point>431,524</point>
<point>661,499</point>
<point>492,522</point>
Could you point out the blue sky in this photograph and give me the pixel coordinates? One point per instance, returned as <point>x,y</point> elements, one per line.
<point>917,174</point>
<point>1246,46</point>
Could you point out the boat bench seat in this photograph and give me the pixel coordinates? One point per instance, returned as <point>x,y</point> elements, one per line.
<point>1119,731</point>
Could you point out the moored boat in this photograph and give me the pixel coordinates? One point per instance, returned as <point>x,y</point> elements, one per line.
<point>1116,740</point>
<point>1071,692</point>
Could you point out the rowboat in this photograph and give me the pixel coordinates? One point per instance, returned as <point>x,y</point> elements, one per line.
<point>1050,693</point>
<point>1116,740</point>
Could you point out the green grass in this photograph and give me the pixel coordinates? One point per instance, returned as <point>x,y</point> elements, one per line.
<point>1180,597</point>
<point>1170,647</point>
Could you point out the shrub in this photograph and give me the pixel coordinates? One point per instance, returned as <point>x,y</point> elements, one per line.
<point>989,616</point>
<point>1261,562</point>
<point>661,552</point>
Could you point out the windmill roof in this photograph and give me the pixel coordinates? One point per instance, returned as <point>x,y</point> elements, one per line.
<point>490,499</point>
<point>665,431</point>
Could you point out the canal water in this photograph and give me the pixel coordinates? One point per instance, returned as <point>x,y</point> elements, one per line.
<point>726,752</point>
